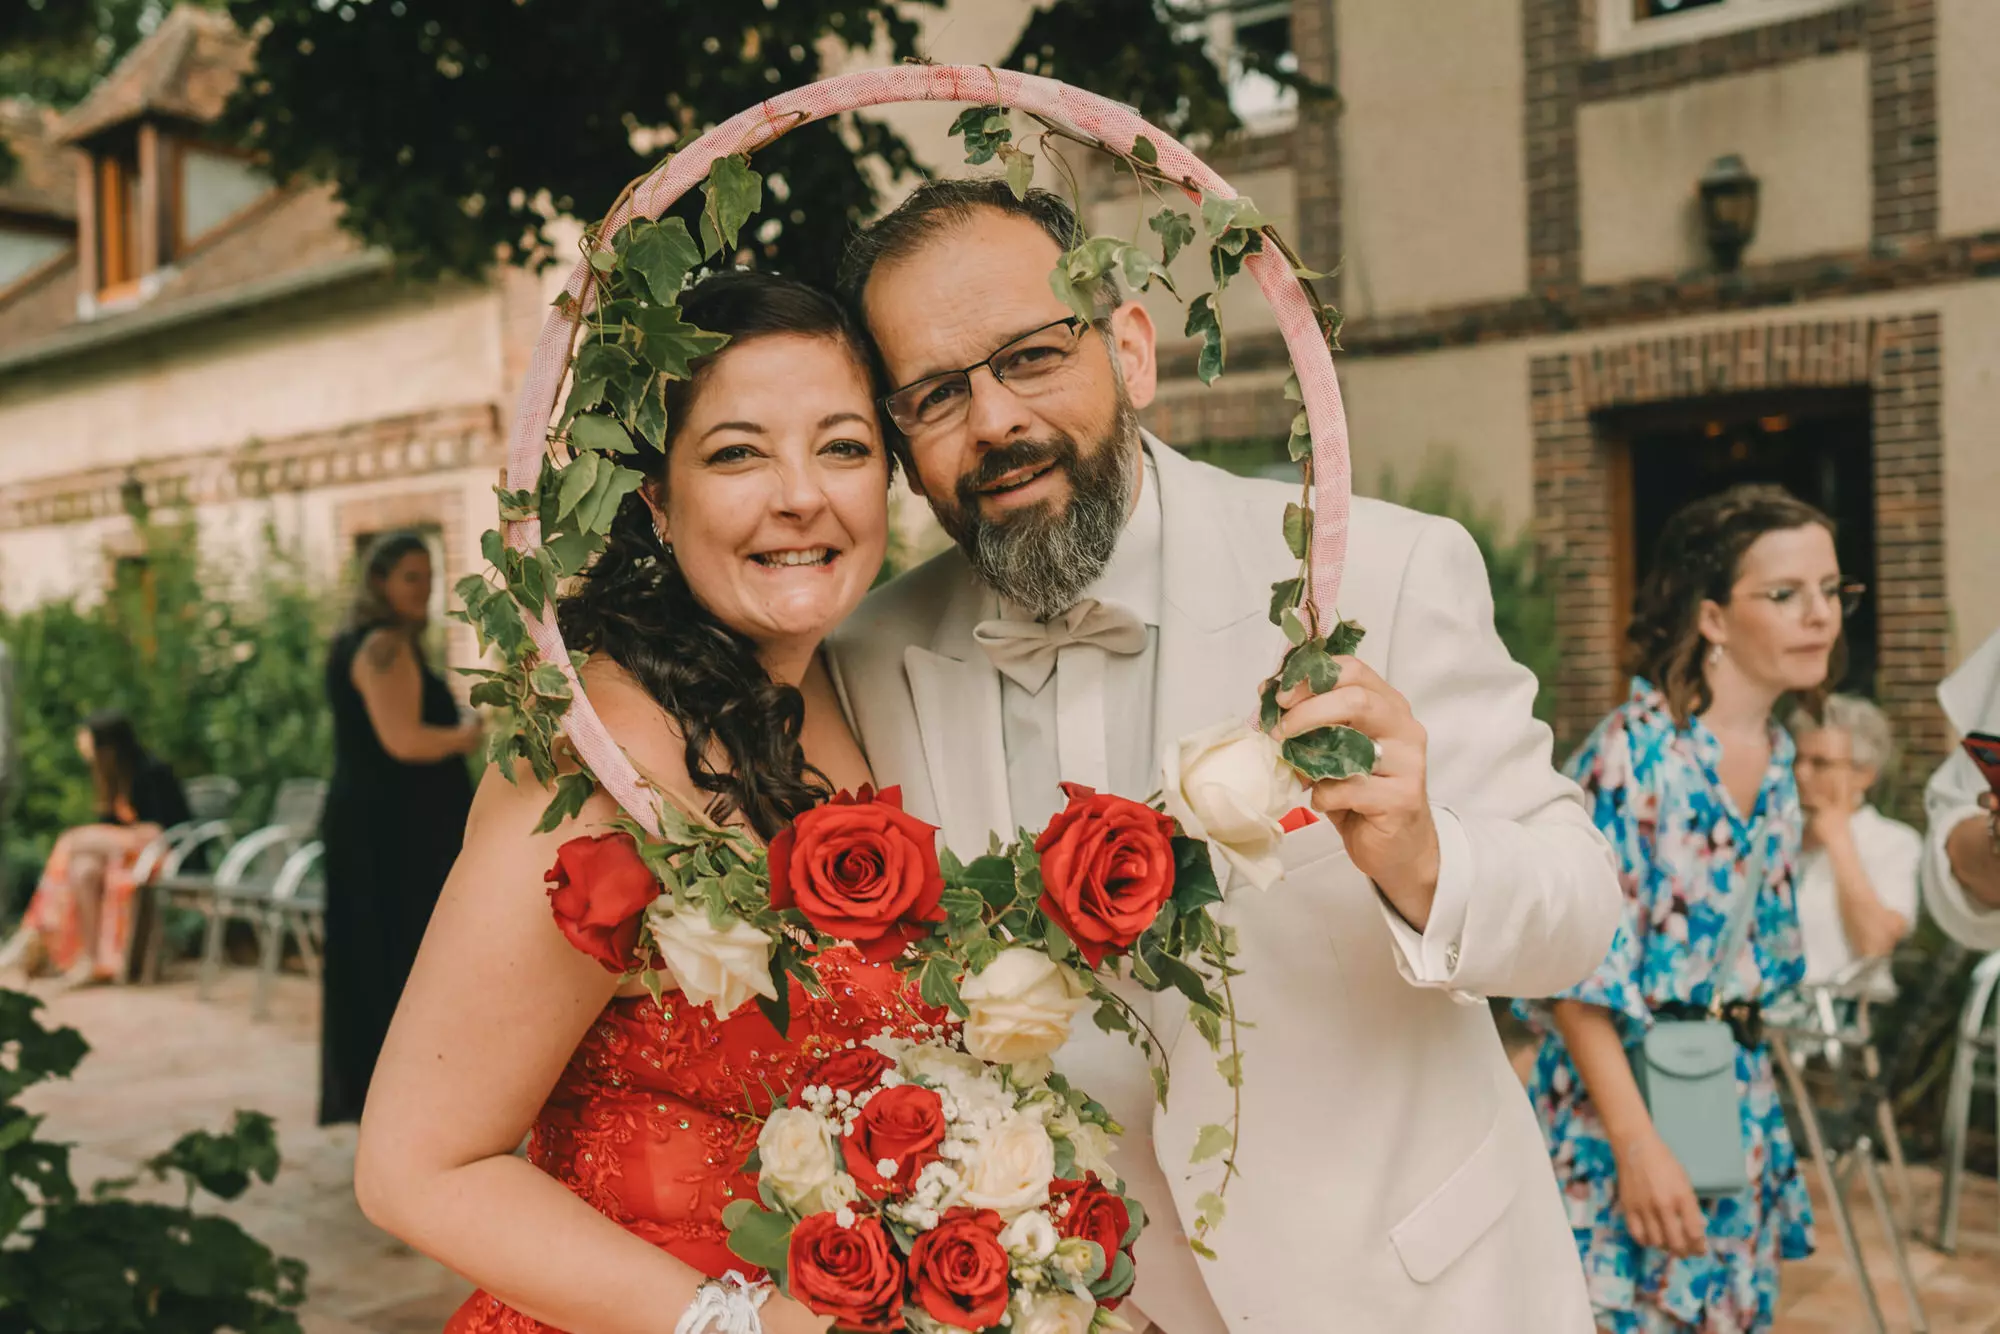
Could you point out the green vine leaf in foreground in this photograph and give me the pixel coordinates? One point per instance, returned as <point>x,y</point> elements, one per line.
<point>1330,752</point>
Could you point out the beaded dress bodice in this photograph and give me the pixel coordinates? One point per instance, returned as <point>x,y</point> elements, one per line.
<point>661,1104</point>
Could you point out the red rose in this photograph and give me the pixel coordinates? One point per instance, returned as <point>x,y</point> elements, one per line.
<point>903,1125</point>
<point>1095,1214</point>
<point>1107,866</point>
<point>860,870</point>
<point>600,891</point>
<point>852,1274</point>
<point>855,1069</point>
<point>958,1270</point>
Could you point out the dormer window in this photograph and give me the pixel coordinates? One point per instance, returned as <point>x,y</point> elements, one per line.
<point>115,208</point>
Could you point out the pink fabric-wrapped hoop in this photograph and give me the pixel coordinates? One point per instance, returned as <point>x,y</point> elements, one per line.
<point>975,85</point>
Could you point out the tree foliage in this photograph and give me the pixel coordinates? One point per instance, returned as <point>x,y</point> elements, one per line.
<point>505,113</point>
<point>73,1261</point>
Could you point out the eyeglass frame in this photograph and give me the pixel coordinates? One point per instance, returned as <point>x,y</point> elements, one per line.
<point>1847,597</point>
<point>1077,325</point>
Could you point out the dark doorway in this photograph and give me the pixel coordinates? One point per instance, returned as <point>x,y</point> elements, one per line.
<point>1815,444</point>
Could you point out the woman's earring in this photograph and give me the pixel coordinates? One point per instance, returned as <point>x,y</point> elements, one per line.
<point>1715,655</point>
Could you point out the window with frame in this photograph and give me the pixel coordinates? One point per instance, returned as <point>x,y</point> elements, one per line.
<point>1631,25</point>
<point>1249,37</point>
<point>115,169</point>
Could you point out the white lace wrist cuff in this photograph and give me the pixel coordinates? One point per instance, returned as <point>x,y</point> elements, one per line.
<point>726,1305</point>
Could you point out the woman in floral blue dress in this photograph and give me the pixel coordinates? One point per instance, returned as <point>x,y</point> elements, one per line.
<point>1691,781</point>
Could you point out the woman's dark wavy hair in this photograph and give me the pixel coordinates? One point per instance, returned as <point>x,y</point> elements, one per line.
<point>1698,559</point>
<point>115,756</point>
<point>634,605</point>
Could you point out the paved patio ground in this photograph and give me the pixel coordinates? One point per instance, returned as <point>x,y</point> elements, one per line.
<point>165,1062</point>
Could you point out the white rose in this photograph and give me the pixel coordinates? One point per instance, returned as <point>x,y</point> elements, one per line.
<point>1231,786</point>
<point>1031,1237</point>
<point>1093,1152</point>
<point>942,1066</point>
<point>723,967</point>
<point>1021,1007</point>
<point>1054,1313</point>
<point>797,1158</point>
<point>1011,1167</point>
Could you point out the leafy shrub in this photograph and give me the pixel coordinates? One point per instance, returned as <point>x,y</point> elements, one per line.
<point>1524,589</point>
<point>220,671</point>
<point>105,1263</point>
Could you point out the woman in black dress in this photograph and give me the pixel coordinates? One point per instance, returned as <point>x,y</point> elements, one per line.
<point>395,812</point>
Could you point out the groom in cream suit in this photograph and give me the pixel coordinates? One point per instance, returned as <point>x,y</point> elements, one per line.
<point>1106,597</point>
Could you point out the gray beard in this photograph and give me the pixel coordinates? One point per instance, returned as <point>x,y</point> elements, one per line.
<point>1042,563</point>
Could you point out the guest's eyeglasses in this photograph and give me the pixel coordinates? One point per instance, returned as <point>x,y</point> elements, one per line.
<point>1797,599</point>
<point>1035,363</point>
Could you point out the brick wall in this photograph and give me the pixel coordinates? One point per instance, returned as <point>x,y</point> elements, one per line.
<point>1757,48</point>
<point>1316,144</point>
<point>1552,37</point>
<point>1575,465</point>
<point>1902,51</point>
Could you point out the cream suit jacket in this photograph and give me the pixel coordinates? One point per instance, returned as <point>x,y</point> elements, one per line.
<point>1393,1176</point>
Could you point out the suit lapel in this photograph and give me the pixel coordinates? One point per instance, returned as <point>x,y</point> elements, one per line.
<point>1213,623</point>
<point>956,693</point>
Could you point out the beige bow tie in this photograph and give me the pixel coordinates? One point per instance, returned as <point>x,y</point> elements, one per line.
<point>1026,651</point>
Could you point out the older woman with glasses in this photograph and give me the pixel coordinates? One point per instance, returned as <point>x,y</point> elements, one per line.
<point>1857,886</point>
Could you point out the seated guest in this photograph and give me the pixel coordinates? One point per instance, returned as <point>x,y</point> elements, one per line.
<point>1857,879</point>
<point>1961,874</point>
<point>79,920</point>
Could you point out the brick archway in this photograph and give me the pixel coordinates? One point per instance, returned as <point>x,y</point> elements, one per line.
<point>1896,359</point>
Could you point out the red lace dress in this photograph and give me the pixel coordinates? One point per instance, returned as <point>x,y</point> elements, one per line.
<point>660,1106</point>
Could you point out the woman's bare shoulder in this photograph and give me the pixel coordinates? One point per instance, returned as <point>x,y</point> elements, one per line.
<point>641,726</point>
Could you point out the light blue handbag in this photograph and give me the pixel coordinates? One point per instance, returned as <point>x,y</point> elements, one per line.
<point>1686,1069</point>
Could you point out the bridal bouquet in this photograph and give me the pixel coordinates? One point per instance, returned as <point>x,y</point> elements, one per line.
<point>1016,943</point>
<point>915,1186</point>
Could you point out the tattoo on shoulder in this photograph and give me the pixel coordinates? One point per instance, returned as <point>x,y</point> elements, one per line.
<point>381,650</point>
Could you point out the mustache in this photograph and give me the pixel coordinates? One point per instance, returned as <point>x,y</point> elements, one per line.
<point>1003,459</point>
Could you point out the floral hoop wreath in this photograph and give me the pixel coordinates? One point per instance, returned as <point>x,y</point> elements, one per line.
<point>731,919</point>
<point>1116,126</point>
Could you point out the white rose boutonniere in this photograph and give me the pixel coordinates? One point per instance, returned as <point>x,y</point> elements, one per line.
<point>1021,1007</point>
<point>796,1157</point>
<point>1231,786</point>
<point>1011,1167</point>
<point>719,966</point>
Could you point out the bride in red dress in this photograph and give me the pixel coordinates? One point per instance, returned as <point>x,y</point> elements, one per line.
<point>758,531</point>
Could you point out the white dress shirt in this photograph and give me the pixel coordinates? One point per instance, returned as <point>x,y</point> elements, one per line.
<point>1889,852</point>
<point>1971,700</point>
<point>1028,720</point>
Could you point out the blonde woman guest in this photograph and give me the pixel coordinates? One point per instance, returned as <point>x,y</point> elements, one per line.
<point>1691,779</point>
<point>1857,886</point>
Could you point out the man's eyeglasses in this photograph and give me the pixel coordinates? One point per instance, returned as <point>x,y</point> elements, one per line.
<point>1032,364</point>
<point>1796,599</point>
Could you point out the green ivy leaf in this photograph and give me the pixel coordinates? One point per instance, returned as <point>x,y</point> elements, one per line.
<point>1143,149</point>
<point>1141,270</point>
<point>649,412</point>
<point>1230,1068</point>
<point>1298,529</point>
<point>984,129</point>
<point>1211,1208</point>
<point>1209,1142</point>
<point>1226,256</point>
<point>1020,172</point>
<point>548,681</point>
<point>669,343</point>
<point>571,551</point>
<point>758,1235</point>
<point>1111,1018</point>
<point>733,194</point>
<point>592,432</point>
<point>594,515</point>
<point>1220,216</point>
<point>1330,752</point>
<point>1268,713</point>
<point>1312,664</point>
<point>1295,629</point>
<point>1203,322</point>
<point>1175,230</point>
<point>658,256</point>
<point>1345,641</point>
<point>1285,593</point>
<point>1182,979</point>
<point>580,478</point>
<point>1194,876</point>
<point>604,261</point>
<point>572,791</point>
<point>1301,443</point>
<point>597,365</point>
<point>1294,392</point>
<point>937,982</point>
<point>993,878</point>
